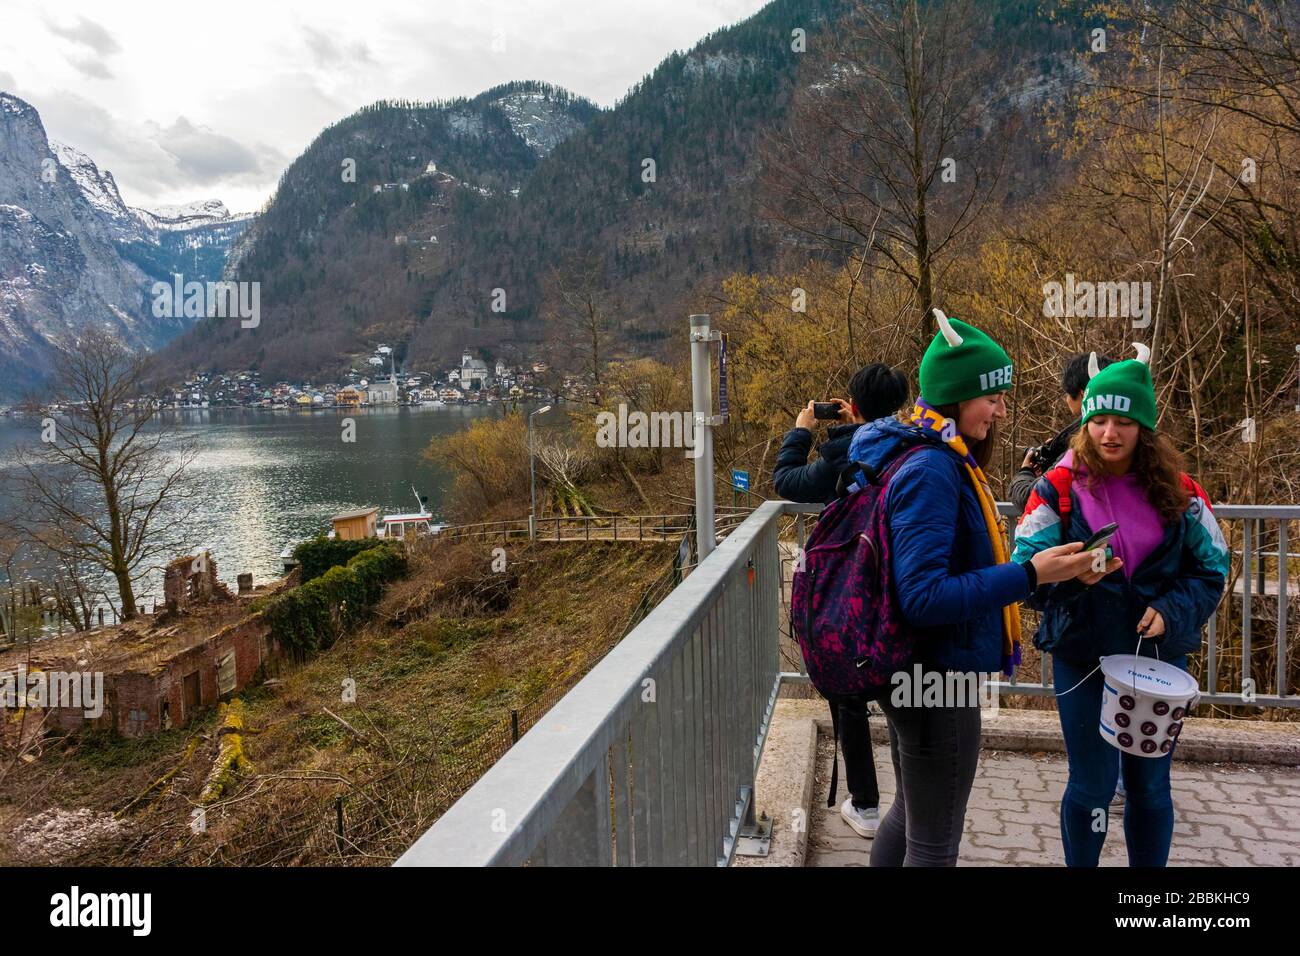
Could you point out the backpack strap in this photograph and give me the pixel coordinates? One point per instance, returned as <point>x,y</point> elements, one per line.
<point>1060,479</point>
<point>851,477</point>
<point>856,473</point>
<point>1193,489</point>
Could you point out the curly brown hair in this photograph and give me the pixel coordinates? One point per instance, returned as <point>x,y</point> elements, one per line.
<point>1156,462</point>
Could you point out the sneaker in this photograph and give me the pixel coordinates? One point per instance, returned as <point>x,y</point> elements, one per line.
<point>864,822</point>
<point>1119,794</point>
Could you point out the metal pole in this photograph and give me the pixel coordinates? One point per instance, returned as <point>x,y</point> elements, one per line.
<point>532,475</point>
<point>702,407</point>
<point>532,484</point>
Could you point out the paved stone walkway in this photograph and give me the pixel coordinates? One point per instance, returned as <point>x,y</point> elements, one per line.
<point>1225,815</point>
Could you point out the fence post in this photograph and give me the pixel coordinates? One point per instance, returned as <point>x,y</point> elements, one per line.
<point>514,726</point>
<point>1259,568</point>
<point>338,824</point>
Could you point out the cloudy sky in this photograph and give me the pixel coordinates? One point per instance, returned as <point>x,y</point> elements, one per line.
<point>196,101</point>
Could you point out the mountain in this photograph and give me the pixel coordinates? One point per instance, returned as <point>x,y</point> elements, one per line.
<point>462,213</point>
<point>342,269</point>
<point>71,251</point>
<point>356,241</point>
<point>209,212</point>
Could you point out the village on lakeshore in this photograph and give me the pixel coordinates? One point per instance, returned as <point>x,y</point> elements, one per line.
<point>472,382</point>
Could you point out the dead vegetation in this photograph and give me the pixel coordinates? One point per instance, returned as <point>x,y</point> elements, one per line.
<point>358,751</point>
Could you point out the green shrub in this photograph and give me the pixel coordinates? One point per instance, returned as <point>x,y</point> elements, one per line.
<point>307,618</point>
<point>318,555</point>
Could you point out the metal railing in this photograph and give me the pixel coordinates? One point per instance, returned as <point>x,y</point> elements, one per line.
<point>1247,524</point>
<point>650,759</point>
<point>659,527</point>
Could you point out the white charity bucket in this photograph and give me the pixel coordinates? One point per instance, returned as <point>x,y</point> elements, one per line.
<point>1143,703</point>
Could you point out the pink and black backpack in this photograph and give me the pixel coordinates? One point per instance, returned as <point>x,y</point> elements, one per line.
<point>843,609</point>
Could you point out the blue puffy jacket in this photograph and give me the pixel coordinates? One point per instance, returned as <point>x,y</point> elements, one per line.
<point>947,583</point>
<point>1183,579</point>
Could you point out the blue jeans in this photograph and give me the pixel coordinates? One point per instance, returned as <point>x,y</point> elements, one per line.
<point>1094,771</point>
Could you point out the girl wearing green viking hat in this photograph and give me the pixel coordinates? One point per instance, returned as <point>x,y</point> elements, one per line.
<point>1173,563</point>
<point>955,587</point>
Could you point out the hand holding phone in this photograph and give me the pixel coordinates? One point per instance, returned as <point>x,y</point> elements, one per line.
<point>1101,538</point>
<point>1099,544</point>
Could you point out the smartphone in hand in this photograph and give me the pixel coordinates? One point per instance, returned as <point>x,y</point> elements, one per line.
<point>1101,538</point>
<point>829,411</point>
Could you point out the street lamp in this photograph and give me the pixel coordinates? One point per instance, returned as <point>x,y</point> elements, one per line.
<point>532,475</point>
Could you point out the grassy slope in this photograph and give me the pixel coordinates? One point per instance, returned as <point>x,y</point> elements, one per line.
<point>457,646</point>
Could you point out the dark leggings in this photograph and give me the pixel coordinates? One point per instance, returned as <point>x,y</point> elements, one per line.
<point>935,750</point>
<point>859,761</point>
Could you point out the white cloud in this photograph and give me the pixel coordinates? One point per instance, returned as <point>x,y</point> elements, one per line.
<point>95,69</point>
<point>327,52</point>
<point>204,156</point>
<point>89,34</point>
<point>188,105</point>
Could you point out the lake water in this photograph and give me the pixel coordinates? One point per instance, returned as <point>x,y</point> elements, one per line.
<point>271,477</point>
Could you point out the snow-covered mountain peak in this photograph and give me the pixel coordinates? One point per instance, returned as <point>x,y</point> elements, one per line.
<point>98,186</point>
<point>202,213</point>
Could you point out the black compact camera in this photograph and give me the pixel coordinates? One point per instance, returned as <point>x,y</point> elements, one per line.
<point>1042,457</point>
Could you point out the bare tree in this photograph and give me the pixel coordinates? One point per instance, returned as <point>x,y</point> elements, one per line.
<point>1239,60</point>
<point>577,314</point>
<point>882,155</point>
<point>110,479</point>
<point>14,623</point>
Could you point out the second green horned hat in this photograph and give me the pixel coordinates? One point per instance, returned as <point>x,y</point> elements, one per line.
<point>1121,388</point>
<point>962,362</point>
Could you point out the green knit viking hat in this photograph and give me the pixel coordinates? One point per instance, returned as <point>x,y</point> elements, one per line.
<point>962,362</point>
<point>1122,388</point>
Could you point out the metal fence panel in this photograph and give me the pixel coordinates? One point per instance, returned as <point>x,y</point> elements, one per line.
<point>622,770</point>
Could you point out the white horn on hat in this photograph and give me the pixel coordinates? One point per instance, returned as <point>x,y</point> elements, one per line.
<point>1093,368</point>
<point>1144,353</point>
<point>949,333</point>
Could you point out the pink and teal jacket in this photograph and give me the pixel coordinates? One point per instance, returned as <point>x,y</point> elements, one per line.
<point>1180,569</point>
